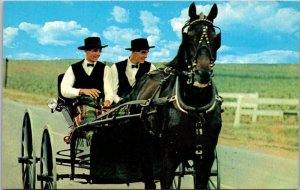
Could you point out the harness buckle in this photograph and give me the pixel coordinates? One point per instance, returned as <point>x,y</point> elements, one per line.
<point>199,150</point>
<point>172,99</point>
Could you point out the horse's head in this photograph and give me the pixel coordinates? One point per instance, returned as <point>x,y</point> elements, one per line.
<point>200,43</point>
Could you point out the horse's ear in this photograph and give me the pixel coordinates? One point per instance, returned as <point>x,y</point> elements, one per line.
<point>213,12</point>
<point>192,11</point>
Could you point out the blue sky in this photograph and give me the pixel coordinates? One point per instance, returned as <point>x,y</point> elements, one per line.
<point>252,31</point>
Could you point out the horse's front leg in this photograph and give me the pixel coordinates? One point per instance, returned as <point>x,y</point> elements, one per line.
<point>169,165</point>
<point>209,141</point>
<point>202,173</point>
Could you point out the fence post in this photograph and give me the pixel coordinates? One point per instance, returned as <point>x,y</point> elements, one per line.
<point>6,69</point>
<point>254,115</point>
<point>237,117</point>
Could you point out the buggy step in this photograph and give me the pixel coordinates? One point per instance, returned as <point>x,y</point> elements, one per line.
<point>77,176</point>
<point>44,177</point>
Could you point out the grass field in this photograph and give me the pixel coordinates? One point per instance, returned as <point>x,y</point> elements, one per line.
<point>35,82</point>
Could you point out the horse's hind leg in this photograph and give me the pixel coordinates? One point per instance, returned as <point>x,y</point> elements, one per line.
<point>148,175</point>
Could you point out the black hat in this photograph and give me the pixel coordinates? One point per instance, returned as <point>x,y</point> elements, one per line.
<point>139,44</point>
<point>91,42</point>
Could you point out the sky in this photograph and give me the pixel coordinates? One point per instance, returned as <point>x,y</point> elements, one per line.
<point>252,31</point>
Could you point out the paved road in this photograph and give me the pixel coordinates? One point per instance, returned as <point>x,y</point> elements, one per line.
<point>240,169</point>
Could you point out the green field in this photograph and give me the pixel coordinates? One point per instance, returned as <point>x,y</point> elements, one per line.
<point>36,81</point>
<point>269,80</point>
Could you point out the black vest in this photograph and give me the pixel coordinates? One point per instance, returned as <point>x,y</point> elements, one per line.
<point>95,80</point>
<point>124,85</point>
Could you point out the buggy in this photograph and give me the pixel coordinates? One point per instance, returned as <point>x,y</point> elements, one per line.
<point>111,156</point>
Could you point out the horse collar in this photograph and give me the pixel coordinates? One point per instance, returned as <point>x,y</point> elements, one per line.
<point>186,108</point>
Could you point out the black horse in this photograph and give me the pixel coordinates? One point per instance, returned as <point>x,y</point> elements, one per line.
<point>188,119</point>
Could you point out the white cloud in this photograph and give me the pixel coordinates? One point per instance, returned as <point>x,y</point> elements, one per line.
<point>152,40</point>
<point>263,16</point>
<point>271,56</point>
<point>32,56</point>
<point>224,48</point>
<point>171,45</point>
<point>56,32</point>
<point>256,15</point>
<point>115,53</point>
<point>164,51</point>
<point>178,22</point>
<point>9,34</point>
<point>161,55</point>
<point>150,22</point>
<point>28,27</point>
<point>120,35</point>
<point>285,20</point>
<point>120,14</point>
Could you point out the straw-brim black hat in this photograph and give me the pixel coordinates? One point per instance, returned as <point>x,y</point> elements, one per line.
<point>92,42</point>
<point>139,44</point>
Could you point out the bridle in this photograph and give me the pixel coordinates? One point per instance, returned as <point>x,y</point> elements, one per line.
<point>204,42</point>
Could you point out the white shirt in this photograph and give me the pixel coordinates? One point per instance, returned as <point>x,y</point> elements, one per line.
<point>68,91</point>
<point>130,74</point>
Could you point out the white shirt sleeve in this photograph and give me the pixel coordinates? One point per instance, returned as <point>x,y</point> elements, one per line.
<point>67,83</point>
<point>115,83</point>
<point>107,80</point>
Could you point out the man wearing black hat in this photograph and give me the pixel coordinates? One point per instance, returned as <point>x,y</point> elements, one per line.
<point>127,72</point>
<point>89,76</point>
<point>124,75</point>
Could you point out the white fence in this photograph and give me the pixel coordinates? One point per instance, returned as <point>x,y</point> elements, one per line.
<point>248,104</point>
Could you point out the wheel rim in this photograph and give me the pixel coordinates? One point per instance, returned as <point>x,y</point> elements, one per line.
<point>27,151</point>
<point>47,163</point>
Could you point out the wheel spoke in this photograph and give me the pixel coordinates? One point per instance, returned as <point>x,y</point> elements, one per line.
<point>26,178</point>
<point>29,176</point>
<point>49,185</point>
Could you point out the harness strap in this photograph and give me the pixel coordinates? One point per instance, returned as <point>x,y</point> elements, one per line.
<point>161,101</point>
<point>155,99</point>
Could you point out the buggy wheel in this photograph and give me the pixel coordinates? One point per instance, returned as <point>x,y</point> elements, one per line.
<point>28,157</point>
<point>176,184</point>
<point>48,174</point>
<point>214,181</point>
